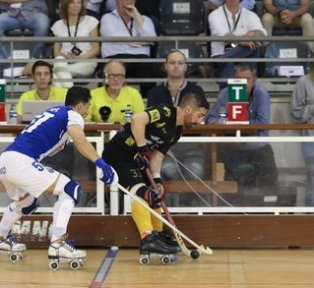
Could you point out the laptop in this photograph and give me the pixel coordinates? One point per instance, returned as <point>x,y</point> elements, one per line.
<point>31,108</point>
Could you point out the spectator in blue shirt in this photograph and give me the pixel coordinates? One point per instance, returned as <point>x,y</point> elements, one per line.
<point>251,164</point>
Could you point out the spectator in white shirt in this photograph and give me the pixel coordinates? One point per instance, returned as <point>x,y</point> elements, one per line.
<point>126,21</point>
<point>74,23</point>
<point>231,20</point>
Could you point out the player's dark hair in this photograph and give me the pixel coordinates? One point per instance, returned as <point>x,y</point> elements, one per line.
<point>199,100</point>
<point>41,63</point>
<point>76,95</point>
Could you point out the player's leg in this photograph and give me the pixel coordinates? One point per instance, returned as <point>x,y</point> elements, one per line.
<point>69,193</point>
<point>151,240</point>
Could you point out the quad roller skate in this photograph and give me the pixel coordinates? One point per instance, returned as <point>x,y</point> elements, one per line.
<point>63,250</point>
<point>168,239</point>
<point>9,246</point>
<point>153,244</point>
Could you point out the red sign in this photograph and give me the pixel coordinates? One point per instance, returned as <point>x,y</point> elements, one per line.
<point>237,111</point>
<point>2,112</point>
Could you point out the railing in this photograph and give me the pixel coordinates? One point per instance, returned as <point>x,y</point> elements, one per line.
<point>202,40</point>
<point>216,186</point>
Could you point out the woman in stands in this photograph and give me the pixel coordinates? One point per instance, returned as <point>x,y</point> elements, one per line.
<point>74,23</point>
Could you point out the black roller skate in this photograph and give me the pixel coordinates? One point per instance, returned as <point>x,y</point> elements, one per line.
<point>14,250</point>
<point>154,244</point>
<point>169,240</point>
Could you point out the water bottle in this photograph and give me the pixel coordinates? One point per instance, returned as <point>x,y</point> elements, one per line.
<point>222,115</point>
<point>128,113</point>
<point>12,114</point>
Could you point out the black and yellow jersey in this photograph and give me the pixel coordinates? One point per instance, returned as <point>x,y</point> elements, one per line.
<point>161,132</point>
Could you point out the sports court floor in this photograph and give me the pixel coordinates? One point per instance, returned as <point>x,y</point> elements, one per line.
<point>226,268</point>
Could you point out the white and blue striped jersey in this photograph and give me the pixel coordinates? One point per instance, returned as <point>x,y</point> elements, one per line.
<point>47,133</point>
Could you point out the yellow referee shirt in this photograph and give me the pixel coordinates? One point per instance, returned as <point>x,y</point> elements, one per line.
<point>56,94</point>
<point>127,95</point>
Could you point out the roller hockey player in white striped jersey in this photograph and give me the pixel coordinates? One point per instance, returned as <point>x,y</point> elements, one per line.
<point>25,178</point>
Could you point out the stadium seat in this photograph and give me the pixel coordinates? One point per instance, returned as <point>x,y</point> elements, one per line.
<point>286,50</point>
<point>191,50</point>
<point>181,17</point>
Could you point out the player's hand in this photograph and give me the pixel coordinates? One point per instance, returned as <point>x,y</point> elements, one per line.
<point>159,187</point>
<point>108,174</point>
<point>152,197</point>
<point>142,157</point>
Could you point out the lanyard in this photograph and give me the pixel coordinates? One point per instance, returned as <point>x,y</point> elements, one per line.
<point>236,23</point>
<point>127,27</point>
<point>76,28</point>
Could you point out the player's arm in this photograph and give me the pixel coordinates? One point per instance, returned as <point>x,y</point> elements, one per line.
<point>81,143</point>
<point>156,162</point>
<point>138,126</point>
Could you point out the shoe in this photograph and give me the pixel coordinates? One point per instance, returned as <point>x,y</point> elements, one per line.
<point>153,243</point>
<point>9,244</point>
<point>169,240</point>
<point>64,248</point>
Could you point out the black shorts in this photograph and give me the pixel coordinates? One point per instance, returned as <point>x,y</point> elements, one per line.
<point>124,164</point>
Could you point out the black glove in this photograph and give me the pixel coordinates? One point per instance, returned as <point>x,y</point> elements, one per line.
<point>160,188</point>
<point>152,197</point>
<point>142,157</point>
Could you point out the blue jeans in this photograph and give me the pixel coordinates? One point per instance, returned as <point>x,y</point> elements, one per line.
<point>226,70</point>
<point>39,24</point>
<point>308,156</point>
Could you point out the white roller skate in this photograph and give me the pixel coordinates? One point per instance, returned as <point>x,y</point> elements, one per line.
<point>64,250</point>
<point>153,244</point>
<point>9,246</point>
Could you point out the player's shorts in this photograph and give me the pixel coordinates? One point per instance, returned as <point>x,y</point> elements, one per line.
<point>125,166</point>
<point>21,174</point>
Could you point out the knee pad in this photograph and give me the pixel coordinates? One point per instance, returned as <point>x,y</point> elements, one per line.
<point>148,194</point>
<point>69,187</point>
<point>26,206</point>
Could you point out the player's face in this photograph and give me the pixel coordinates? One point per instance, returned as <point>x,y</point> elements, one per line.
<point>176,65</point>
<point>82,109</point>
<point>115,75</point>
<point>194,117</point>
<point>249,76</point>
<point>42,77</point>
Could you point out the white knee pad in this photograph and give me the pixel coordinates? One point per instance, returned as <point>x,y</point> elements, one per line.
<point>68,186</point>
<point>136,187</point>
<point>25,206</point>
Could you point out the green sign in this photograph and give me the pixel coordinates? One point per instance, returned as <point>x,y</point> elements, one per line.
<point>2,90</point>
<point>237,90</point>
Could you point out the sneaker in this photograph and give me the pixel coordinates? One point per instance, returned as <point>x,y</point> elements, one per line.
<point>153,243</point>
<point>64,248</point>
<point>9,244</point>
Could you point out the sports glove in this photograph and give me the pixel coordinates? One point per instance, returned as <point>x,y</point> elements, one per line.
<point>152,197</point>
<point>108,174</point>
<point>142,157</point>
<point>160,188</point>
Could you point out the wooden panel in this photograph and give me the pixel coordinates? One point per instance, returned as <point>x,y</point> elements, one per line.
<point>211,230</point>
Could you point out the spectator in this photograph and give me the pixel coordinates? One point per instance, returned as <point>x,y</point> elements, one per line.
<point>214,4</point>
<point>171,92</point>
<point>302,112</point>
<point>42,77</point>
<point>74,23</point>
<point>230,20</point>
<point>27,14</point>
<point>251,164</point>
<point>288,13</point>
<point>126,21</point>
<point>115,95</point>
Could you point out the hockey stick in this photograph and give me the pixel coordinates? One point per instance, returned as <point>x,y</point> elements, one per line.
<point>200,248</point>
<point>194,254</point>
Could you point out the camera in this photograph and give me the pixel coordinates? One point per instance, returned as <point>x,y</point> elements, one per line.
<point>76,51</point>
<point>104,112</point>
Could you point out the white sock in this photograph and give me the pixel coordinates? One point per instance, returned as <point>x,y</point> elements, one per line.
<point>9,218</point>
<point>62,211</point>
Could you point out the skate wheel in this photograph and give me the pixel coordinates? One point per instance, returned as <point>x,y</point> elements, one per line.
<point>144,259</point>
<point>13,257</point>
<point>74,264</point>
<point>165,259</point>
<point>54,264</point>
<point>21,256</point>
<point>81,261</point>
